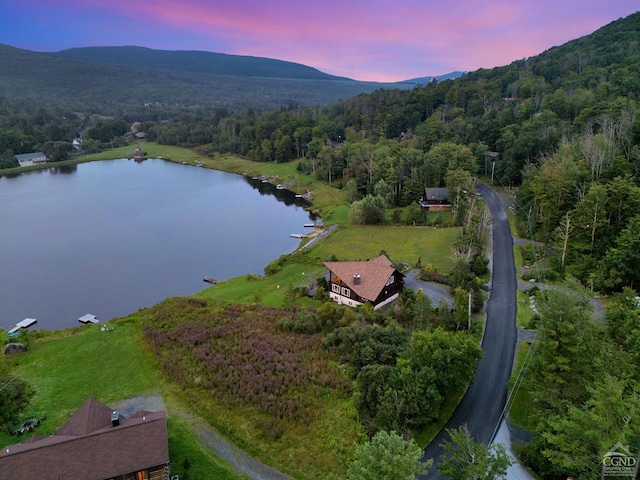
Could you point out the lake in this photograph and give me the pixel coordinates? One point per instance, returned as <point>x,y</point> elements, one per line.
<point>111,237</point>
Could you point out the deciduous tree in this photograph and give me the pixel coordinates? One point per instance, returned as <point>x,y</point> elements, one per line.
<point>387,456</point>
<point>466,459</point>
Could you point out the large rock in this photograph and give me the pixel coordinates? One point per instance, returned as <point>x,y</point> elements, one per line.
<point>11,348</point>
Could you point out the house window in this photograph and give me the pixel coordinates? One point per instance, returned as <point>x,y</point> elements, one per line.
<point>335,288</point>
<point>391,280</point>
<point>346,292</point>
<point>142,475</point>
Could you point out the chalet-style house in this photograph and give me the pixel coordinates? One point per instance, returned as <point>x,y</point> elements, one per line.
<point>435,200</point>
<point>355,283</point>
<point>26,159</point>
<point>96,443</point>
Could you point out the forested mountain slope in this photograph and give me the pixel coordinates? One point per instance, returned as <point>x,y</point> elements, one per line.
<point>196,61</point>
<point>167,79</point>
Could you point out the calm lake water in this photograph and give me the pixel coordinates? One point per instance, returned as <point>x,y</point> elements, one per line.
<point>111,237</point>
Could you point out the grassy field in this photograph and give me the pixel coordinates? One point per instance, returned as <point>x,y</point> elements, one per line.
<point>402,244</point>
<point>264,290</point>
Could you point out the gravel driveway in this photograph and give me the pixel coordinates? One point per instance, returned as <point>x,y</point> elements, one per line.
<point>435,291</point>
<point>243,464</point>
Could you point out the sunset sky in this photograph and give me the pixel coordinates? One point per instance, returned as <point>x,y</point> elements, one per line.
<point>377,40</point>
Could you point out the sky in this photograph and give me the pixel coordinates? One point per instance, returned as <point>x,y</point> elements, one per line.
<point>372,40</point>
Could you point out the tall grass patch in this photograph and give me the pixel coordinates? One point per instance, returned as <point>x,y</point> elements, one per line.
<point>272,392</point>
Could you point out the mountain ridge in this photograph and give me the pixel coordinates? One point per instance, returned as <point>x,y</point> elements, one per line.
<point>113,79</point>
<point>196,61</point>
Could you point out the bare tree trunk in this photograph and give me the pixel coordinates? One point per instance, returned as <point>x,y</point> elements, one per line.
<point>566,231</point>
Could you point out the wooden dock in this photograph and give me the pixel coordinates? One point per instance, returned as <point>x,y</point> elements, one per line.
<point>27,322</point>
<point>89,318</point>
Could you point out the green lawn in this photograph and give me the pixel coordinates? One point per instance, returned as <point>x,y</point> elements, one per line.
<point>189,457</point>
<point>264,290</point>
<point>66,367</point>
<point>69,366</point>
<point>402,244</point>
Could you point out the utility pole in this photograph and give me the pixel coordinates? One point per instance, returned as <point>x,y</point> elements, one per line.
<point>469,315</point>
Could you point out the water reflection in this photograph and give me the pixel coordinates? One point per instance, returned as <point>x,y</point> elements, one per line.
<point>284,195</point>
<point>64,169</point>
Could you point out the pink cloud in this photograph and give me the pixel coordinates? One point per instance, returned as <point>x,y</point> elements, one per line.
<point>362,39</point>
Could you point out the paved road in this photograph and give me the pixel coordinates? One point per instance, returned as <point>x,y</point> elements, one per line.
<point>481,407</point>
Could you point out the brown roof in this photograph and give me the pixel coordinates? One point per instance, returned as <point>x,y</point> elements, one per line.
<point>89,447</point>
<point>91,416</point>
<point>373,273</point>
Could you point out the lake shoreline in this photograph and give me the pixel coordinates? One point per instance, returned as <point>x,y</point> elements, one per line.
<point>166,221</point>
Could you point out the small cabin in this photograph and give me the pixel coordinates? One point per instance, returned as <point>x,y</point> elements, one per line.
<point>435,200</point>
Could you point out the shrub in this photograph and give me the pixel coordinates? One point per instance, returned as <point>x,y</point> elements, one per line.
<point>433,276</point>
<point>531,253</point>
<point>14,396</point>
<point>542,275</point>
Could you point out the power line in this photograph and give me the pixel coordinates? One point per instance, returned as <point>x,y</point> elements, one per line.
<point>516,386</point>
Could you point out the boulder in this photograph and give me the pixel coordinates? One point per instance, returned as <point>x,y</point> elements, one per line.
<point>11,348</point>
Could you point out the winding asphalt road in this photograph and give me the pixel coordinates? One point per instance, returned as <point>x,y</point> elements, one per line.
<point>482,406</point>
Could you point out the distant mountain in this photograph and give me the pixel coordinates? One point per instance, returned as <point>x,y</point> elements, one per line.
<point>438,78</point>
<point>112,80</point>
<point>196,61</point>
<point>94,87</point>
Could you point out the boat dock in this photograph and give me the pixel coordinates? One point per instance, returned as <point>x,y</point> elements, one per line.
<point>210,280</point>
<point>89,318</point>
<point>27,322</point>
<point>296,235</point>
